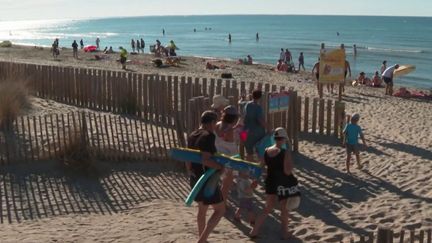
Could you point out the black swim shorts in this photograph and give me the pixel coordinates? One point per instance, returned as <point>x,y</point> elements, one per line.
<point>388,80</point>
<point>214,199</point>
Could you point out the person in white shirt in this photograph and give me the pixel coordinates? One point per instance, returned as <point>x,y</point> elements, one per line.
<point>282,55</point>
<point>388,78</point>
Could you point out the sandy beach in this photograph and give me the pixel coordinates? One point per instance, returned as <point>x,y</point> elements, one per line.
<point>143,202</point>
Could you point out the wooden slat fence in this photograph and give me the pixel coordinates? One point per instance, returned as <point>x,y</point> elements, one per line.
<point>385,235</point>
<point>159,101</point>
<point>107,137</point>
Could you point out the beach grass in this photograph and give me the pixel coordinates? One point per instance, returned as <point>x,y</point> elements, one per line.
<point>13,99</point>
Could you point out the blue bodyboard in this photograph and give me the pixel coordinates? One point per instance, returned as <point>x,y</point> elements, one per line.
<point>194,156</point>
<point>198,186</point>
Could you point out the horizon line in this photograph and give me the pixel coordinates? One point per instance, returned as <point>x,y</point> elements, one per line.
<point>231,14</point>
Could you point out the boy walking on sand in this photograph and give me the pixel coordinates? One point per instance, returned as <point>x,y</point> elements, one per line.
<point>352,131</point>
<point>245,189</point>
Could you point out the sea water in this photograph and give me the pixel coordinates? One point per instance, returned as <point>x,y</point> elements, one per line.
<point>403,40</point>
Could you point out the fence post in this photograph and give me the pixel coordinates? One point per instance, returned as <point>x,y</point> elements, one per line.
<point>429,236</point>
<point>336,118</point>
<point>321,117</point>
<point>343,121</point>
<point>384,236</point>
<point>329,113</point>
<point>370,237</point>
<point>402,236</point>
<point>412,236</point>
<point>190,119</point>
<point>314,115</point>
<point>306,115</point>
<point>296,121</point>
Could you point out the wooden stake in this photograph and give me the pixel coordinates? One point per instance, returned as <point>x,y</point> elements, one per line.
<point>321,117</point>
<point>306,115</point>
<point>314,115</point>
<point>329,115</point>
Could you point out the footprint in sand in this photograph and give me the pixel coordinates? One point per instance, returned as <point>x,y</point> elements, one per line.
<point>301,232</point>
<point>387,220</point>
<point>334,238</point>
<point>311,238</point>
<point>371,227</point>
<point>377,215</point>
<point>412,226</point>
<point>330,230</point>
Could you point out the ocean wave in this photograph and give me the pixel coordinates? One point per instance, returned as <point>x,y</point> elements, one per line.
<point>103,34</point>
<point>35,35</point>
<point>394,50</point>
<point>377,49</point>
<point>213,58</point>
<point>30,44</point>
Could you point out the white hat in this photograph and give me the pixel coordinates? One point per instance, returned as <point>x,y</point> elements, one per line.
<point>280,133</point>
<point>219,102</point>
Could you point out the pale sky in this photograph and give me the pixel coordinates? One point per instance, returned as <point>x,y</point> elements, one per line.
<point>77,9</point>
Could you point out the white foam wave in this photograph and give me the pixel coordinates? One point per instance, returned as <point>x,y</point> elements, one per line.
<point>29,44</point>
<point>36,35</point>
<point>394,50</point>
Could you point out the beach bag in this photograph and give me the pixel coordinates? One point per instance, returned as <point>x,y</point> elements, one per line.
<point>293,203</point>
<point>289,188</point>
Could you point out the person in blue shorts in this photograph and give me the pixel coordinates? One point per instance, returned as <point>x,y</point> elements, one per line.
<point>254,124</point>
<point>352,132</point>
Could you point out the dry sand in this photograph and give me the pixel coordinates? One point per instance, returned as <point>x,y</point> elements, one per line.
<point>141,204</point>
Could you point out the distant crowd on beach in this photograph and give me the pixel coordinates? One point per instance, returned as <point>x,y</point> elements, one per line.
<point>137,46</point>
<point>385,75</point>
<point>285,62</point>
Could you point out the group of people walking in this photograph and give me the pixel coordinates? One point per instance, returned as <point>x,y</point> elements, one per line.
<point>286,62</point>
<point>220,131</point>
<point>138,45</point>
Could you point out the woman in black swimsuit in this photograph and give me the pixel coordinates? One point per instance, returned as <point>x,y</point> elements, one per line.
<point>279,182</point>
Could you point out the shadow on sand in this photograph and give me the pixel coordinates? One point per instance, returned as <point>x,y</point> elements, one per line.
<point>34,191</point>
<point>327,190</point>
